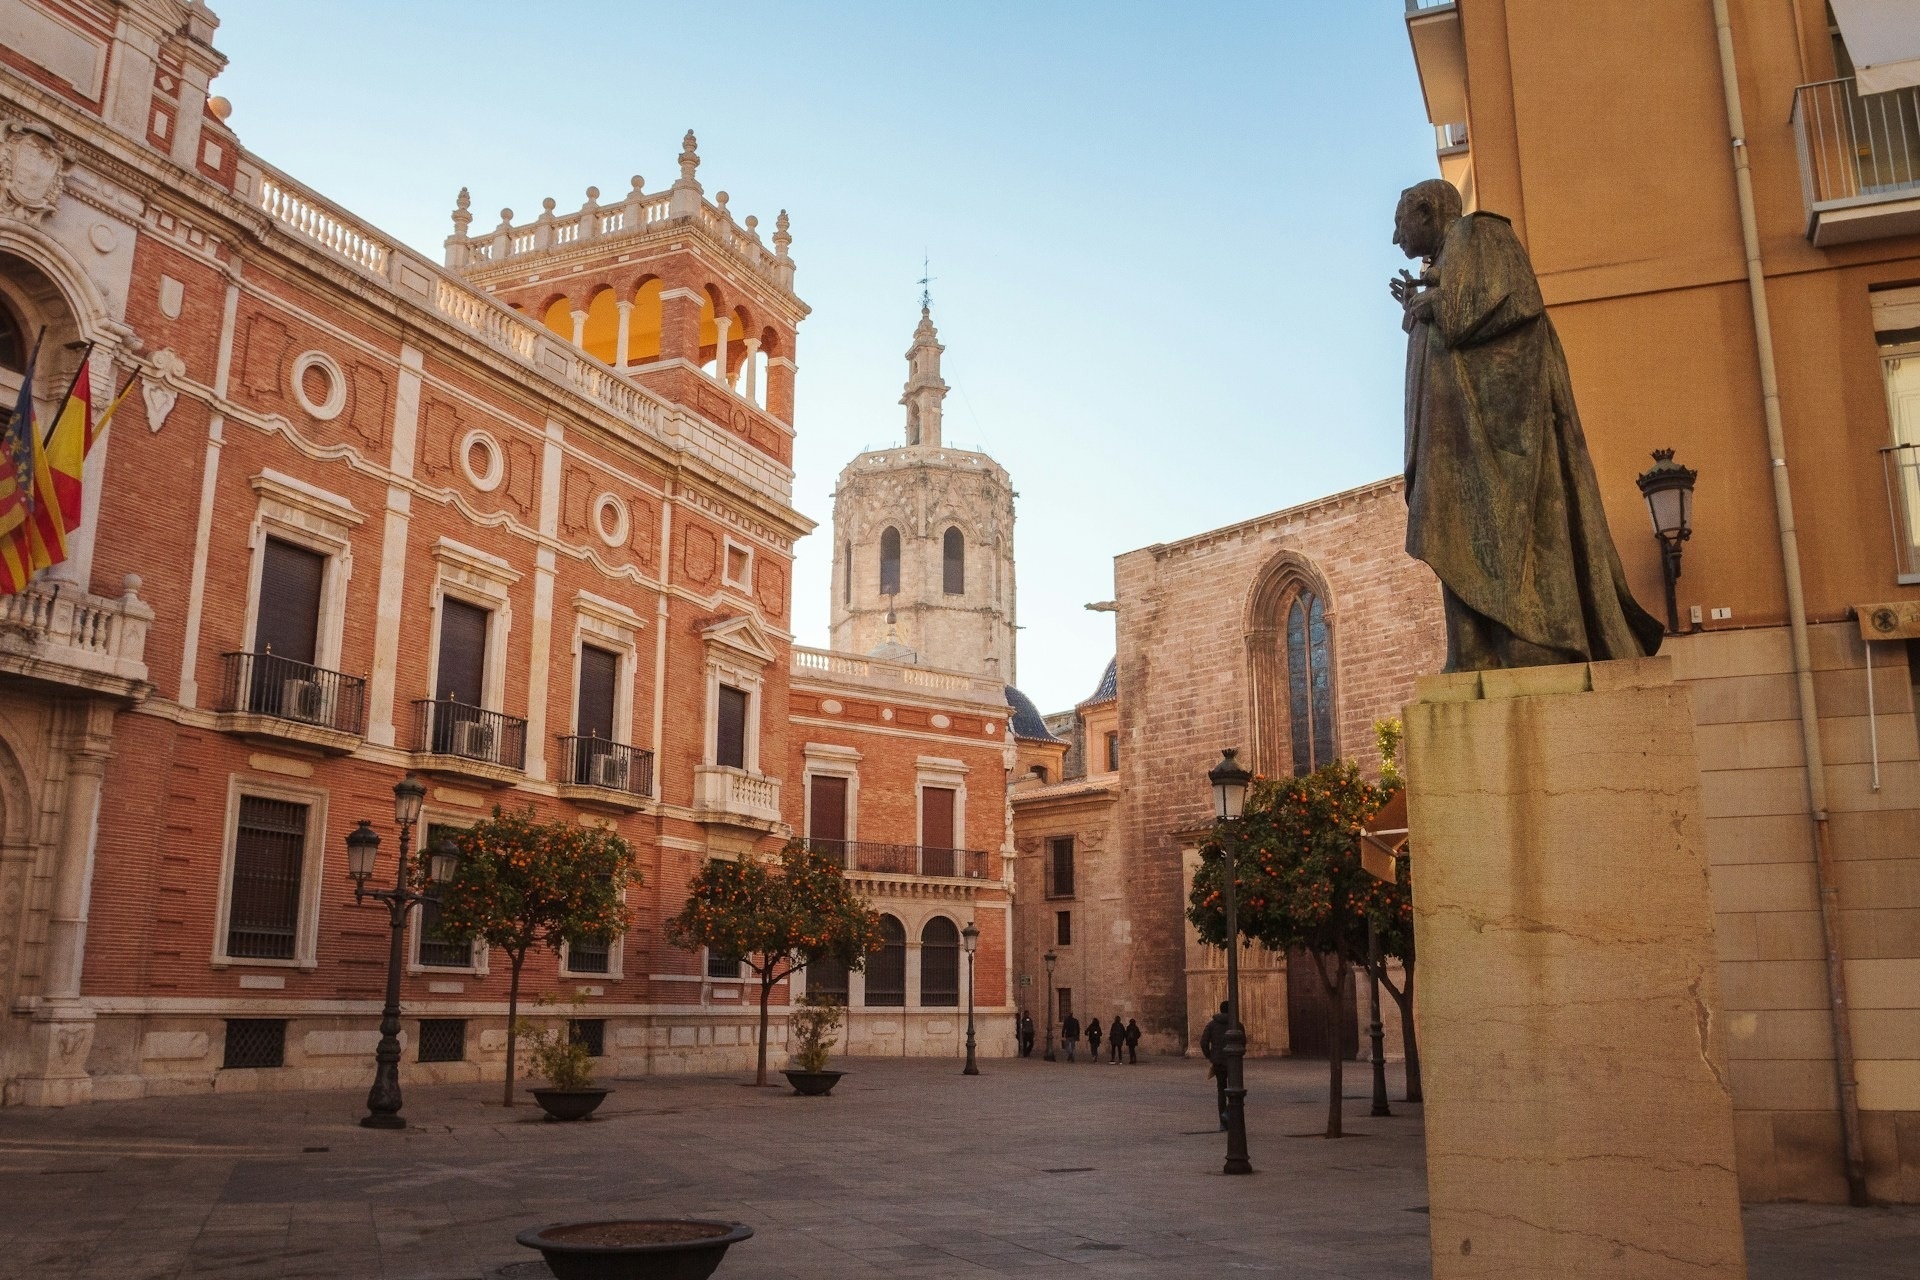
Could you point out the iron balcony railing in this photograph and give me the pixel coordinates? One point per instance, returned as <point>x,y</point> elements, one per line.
<point>450,728</point>
<point>600,762</point>
<point>265,684</point>
<point>905,859</point>
<point>1900,463</point>
<point>1855,149</point>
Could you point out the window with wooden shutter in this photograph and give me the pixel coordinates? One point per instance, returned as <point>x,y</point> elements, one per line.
<point>593,715</point>
<point>730,730</point>
<point>463,653</point>
<point>1060,867</point>
<point>269,850</point>
<point>827,813</point>
<point>287,624</point>
<point>936,817</point>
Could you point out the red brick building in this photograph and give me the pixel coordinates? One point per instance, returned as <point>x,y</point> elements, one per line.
<point>521,525</point>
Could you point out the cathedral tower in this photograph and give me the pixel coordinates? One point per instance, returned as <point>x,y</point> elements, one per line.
<point>923,542</point>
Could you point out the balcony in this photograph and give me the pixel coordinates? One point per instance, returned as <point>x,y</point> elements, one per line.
<point>724,794</point>
<point>59,635</point>
<point>1859,161</point>
<point>274,698</point>
<point>469,743</point>
<point>600,772</point>
<point>907,859</point>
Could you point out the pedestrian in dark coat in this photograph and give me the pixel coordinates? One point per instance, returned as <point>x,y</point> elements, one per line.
<point>1070,1035</point>
<point>1213,1046</point>
<point>1026,1034</point>
<point>1133,1043</point>
<point>1116,1041</point>
<point>1093,1040</point>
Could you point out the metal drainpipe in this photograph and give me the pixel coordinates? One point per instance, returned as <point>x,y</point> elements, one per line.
<point>1796,623</point>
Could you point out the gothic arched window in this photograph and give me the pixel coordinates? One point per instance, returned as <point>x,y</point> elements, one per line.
<point>846,583</point>
<point>939,963</point>
<point>953,552</point>
<point>1309,683</point>
<point>890,562</point>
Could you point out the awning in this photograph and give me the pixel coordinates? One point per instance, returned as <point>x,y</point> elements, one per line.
<point>1883,39</point>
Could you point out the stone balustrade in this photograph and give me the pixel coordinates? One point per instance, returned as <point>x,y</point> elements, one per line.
<point>56,633</point>
<point>877,673</point>
<point>735,793</point>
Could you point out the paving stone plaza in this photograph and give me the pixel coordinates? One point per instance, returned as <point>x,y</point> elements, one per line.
<point>1032,1169</point>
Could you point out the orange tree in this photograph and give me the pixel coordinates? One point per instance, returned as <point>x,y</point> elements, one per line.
<point>1300,884</point>
<point>776,921</point>
<point>522,883</point>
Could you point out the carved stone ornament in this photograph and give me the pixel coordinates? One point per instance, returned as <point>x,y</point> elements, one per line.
<point>167,367</point>
<point>33,170</point>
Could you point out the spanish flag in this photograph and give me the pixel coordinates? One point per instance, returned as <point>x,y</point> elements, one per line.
<point>57,461</point>
<point>16,492</point>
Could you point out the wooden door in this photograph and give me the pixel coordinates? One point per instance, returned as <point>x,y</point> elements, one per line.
<point>937,841</point>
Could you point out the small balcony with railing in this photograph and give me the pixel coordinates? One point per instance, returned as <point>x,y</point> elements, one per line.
<point>263,695</point>
<point>1859,161</point>
<point>875,858</point>
<point>722,793</point>
<point>598,771</point>
<point>455,740</point>
<point>56,634</point>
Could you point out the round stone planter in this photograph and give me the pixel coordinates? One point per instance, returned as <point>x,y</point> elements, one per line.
<point>569,1104</point>
<point>813,1084</point>
<point>635,1249</point>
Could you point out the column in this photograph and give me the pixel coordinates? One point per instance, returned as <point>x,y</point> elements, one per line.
<point>620,341</point>
<point>540,645</point>
<point>750,371</point>
<point>579,327</point>
<point>720,326</point>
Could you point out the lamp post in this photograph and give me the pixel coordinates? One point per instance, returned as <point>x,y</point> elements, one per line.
<point>1229,782</point>
<point>970,938</point>
<point>1049,960</point>
<point>1375,1032</point>
<point>363,846</point>
<point>1668,488</point>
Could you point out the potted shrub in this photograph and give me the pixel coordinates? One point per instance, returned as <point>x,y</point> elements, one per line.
<point>813,1025</point>
<point>635,1249</point>
<point>570,1093</point>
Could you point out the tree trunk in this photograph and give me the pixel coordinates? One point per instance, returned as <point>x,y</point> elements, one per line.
<point>513,1018</point>
<point>766,993</point>
<point>1415,1093</point>
<point>1336,1041</point>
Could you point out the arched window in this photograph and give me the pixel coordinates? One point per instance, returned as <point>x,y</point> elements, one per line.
<point>827,977</point>
<point>953,552</point>
<point>887,968</point>
<point>890,562</point>
<point>939,964</point>
<point>13,341</point>
<point>1309,683</point>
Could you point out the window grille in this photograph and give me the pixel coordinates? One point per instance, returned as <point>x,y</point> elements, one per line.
<point>269,846</point>
<point>827,977</point>
<point>940,963</point>
<point>1060,867</point>
<point>255,1042</point>
<point>443,1039</point>
<point>589,955</point>
<point>437,951</point>
<point>591,1032</point>
<point>887,967</point>
<point>1063,928</point>
<point>719,966</point>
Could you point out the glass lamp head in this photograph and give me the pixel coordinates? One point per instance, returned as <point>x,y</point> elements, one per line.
<point>1229,783</point>
<point>1049,959</point>
<point>1668,488</point>
<point>970,937</point>
<point>408,797</point>
<point>442,861</point>
<point>363,846</point>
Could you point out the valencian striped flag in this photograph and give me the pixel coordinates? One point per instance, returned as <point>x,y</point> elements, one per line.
<point>16,487</point>
<point>60,458</point>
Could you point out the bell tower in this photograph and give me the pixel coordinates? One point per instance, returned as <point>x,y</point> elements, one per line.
<point>923,541</point>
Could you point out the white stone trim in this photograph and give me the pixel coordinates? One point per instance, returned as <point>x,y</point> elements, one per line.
<point>477,578</point>
<point>622,520</point>
<point>490,479</point>
<point>306,516</point>
<point>336,401</point>
<point>827,759</point>
<point>744,582</point>
<point>312,868</point>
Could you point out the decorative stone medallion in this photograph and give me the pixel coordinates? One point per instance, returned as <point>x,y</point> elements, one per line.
<point>33,170</point>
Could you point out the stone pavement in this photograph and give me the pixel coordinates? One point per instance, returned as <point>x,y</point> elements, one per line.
<point>1032,1169</point>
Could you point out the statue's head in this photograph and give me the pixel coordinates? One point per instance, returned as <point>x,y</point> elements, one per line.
<point>1425,212</point>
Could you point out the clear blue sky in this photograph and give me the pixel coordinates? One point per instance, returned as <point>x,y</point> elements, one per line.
<point>1160,232</point>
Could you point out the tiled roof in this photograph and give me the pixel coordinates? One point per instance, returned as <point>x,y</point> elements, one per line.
<point>1109,684</point>
<point>1027,721</point>
<point>1064,790</point>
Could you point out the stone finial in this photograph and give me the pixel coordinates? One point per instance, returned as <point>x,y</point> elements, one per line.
<point>781,236</point>
<point>462,214</point>
<point>506,220</point>
<point>637,188</point>
<point>593,195</point>
<point>546,207</point>
<point>753,226</point>
<point>689,156</point>
<point>720,199</point>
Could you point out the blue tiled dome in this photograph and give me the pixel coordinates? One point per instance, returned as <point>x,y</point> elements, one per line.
<point>1109,684</point>
<point>1027,721</point>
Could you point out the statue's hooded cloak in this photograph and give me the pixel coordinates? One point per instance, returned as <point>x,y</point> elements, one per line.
<point>1501,496</point>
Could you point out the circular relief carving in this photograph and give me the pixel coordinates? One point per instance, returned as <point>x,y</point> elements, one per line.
<point>886,713</point>
<point>481,459</point>
<point>991,728</point>
<point>830,705</point>
<point>942,722</point>
<point>102,237</point>
<point>319,384</point>
<point>610,520</point>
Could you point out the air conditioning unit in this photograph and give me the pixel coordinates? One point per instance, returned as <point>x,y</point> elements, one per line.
<point>304,700</point>
<point>473,739</point>
<point>609,771</point>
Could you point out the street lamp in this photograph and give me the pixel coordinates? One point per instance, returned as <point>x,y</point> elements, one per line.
<point>1229,782</point>
<point>1049,960</point>
<point>1668,488</point>
<point>970,938</point>
<point>363,847</point>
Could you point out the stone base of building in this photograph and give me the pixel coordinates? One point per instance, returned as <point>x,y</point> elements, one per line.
<point>1579,1117</point>
<point>131,1055</point>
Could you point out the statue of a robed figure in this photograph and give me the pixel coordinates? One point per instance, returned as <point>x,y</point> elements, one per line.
<point>1501,497</point>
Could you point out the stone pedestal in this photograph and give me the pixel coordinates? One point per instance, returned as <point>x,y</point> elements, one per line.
<point>1579,1118</point>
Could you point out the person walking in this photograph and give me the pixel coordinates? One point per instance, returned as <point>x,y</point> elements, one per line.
<point>1093,1041</point>
<point>1116,1041</point>
<point>1133,1043</point>
<point>1213,1047</point>
<point>1070,1036</point>
<point>1026,1034</point>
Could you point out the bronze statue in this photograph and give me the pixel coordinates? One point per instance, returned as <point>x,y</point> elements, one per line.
<point>1501,497</point>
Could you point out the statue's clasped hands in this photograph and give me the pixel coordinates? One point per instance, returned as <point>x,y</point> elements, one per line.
<point>1415,295</point>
